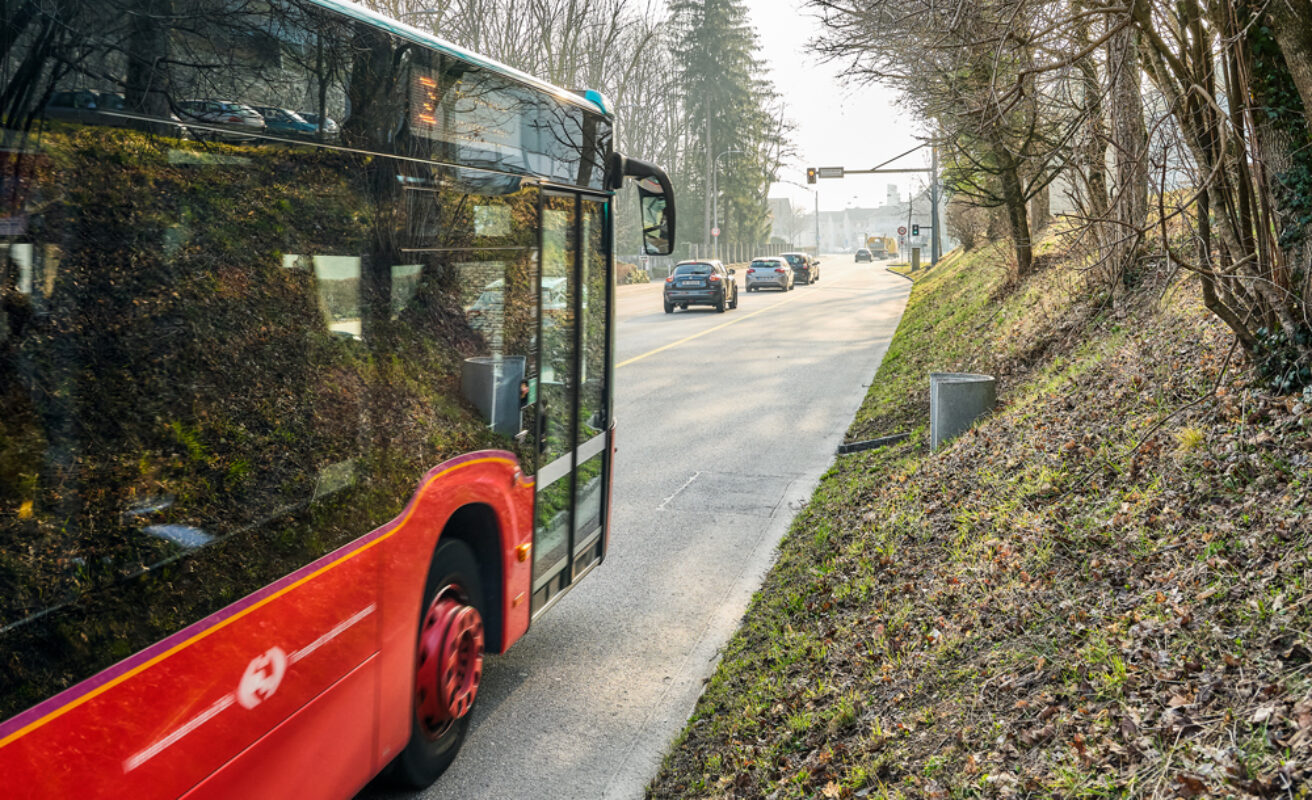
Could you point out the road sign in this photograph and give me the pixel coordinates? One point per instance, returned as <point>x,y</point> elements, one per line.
<point>831,172</point>
<point>715,231</point>
<point>901,230</point>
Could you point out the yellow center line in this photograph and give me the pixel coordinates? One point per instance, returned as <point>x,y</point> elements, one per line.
<point>687,339</point>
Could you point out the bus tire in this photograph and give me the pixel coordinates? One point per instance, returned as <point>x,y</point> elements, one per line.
<point>450,625</point>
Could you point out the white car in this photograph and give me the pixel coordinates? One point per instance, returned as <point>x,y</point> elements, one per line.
<point>225,113</point>
<point>770,272</point>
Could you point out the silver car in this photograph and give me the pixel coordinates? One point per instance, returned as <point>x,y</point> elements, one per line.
<point>770,272</point>
<point>239,117</point>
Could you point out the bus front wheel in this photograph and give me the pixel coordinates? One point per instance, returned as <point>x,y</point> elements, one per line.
<point>448,665</point>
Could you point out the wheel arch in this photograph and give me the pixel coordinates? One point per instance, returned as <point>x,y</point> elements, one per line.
<point>476,525</point>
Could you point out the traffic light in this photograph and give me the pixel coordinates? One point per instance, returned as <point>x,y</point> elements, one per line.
<point>810,174</point>
<point>915,229</point>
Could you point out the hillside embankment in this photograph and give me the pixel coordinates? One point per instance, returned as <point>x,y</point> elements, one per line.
<point>1103,590</point>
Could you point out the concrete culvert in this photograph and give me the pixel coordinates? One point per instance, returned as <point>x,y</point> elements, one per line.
<point>956,400</point>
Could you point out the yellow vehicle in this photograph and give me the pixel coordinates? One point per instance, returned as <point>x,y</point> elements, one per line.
<point>882,247</point>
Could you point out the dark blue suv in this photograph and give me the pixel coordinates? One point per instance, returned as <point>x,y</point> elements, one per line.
<point>700,283</point>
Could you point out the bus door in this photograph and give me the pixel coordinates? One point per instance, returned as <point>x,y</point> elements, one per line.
<point>573,410</point>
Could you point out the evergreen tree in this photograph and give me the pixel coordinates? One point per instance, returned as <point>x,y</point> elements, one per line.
<point>727,106</point>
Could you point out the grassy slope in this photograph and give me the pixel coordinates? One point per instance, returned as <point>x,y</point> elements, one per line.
<point>1101,591</point>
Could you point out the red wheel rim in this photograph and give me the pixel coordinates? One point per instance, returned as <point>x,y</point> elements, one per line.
<point>450,662</point>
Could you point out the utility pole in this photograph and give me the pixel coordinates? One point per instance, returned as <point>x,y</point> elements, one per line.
<point>715,201</point>
<point>935,244</point>
<point>817,223</point>
<point>709,180</point>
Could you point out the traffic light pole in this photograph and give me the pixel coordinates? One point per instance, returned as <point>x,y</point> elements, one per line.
<point>936,245</point>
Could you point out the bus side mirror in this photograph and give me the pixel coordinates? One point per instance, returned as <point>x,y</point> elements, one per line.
<point>657,204</point>
<point>655,200</point>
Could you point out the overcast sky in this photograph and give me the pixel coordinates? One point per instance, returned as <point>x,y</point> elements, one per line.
<point>838,125</point>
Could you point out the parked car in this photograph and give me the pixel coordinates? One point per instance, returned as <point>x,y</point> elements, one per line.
<point>331,130</point>
<point>805,269</point>
<point>864,255</point>
<point>96,108</point>
<point>76,105</point>
<point>244,120</point>
<point>771,272</point>
<point>285,122</point>
<point>700,283</point>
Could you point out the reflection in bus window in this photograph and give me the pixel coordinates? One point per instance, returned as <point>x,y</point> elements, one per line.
<point>229,348</point>
<point>592,407</point>
<point>233,375</point>
<point>555,389</point>
<point>405,282</point>
<point>337,279</point>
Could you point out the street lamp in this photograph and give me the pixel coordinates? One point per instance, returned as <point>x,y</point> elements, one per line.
<point>816,194</point>
<point>715,200</point>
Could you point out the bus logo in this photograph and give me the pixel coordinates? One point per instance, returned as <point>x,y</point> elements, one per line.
<point>262,677</point>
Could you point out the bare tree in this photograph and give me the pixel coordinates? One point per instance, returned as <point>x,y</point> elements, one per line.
<point>969,69</point>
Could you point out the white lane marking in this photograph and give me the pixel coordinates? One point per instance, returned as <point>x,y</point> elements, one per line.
<point>685,485</point>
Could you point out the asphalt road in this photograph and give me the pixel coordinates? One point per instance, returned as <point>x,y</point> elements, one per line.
<point>725,424</point>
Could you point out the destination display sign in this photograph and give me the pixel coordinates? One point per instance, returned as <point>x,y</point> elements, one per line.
<point>472,111</point>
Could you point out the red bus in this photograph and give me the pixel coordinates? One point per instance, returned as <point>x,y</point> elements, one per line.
<point>305,389</point>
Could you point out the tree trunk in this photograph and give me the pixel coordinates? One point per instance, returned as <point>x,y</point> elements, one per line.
<point>1089,175</point>
<point>1041,208</point>
<point>1280,149</point>
<point>147,85</point>
<point>1291,24</point>
<point>1130,140</point>
<point>1017,216</point>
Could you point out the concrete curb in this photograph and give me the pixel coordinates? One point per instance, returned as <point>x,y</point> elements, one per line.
<point>890,271</point>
